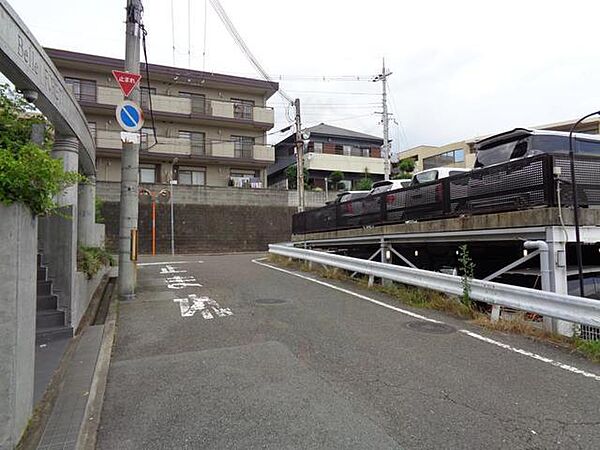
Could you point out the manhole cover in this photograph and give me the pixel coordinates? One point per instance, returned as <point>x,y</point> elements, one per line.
<point>430,327</point>
<point>269,301</point>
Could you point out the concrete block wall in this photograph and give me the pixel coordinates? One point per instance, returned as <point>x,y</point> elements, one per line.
<point>18,270</point>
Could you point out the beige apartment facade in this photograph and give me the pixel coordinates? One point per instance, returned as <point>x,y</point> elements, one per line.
<point>209,129</point>
<point>462,153</point>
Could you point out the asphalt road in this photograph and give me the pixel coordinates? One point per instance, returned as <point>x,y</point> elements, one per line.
<point>282,362</point>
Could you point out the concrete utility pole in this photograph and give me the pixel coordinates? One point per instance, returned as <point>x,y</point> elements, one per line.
<point>130,161</point>
<point>299,158</point>
<point>385,120</point>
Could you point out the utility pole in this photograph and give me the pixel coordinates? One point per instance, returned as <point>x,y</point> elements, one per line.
<point>299,158</point>
<point>128,221</point>
<point>385,120</point>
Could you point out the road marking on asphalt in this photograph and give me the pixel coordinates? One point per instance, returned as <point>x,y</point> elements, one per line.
<point>168,262</point>
<point>519,351</point>
<point>206,306</point>
<point>346,291</point>
<point>168,269</point>
<point>179,282</point>
<point>532,355</point>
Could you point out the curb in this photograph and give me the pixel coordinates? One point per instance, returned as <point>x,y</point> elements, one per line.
<point>93,409</point>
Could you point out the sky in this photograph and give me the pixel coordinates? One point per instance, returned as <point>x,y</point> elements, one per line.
<point>460,68</point>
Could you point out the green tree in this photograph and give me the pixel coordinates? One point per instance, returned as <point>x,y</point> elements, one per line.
<point>292,172</point>
<point>335,178</point>
<point>28,174</point>
<point>406,167</point>
<point>365,183</point>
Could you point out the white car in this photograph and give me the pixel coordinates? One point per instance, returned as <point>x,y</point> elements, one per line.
<point>436,173</point>
<point>389,185</point>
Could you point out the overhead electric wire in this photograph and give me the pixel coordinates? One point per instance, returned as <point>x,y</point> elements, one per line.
<point>205,27</point>
<point>144,33</point>
<point>189,34</point>
<point>173,30</point>
<point>216,4</point>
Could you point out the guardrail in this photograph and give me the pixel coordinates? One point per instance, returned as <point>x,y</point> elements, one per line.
<point>519,184</point>
<point>566,307</point>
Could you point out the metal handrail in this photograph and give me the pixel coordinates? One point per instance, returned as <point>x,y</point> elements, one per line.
<point>566,307</point>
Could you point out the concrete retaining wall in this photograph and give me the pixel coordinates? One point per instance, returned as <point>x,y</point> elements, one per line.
<point>18,247</point>
<point>85,291</point>
<point>205,228</point>
<point>207,219</point>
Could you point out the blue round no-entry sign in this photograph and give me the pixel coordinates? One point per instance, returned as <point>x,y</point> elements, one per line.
<point>130,116</point>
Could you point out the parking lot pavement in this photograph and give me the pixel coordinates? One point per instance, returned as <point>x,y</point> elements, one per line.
<point>221,352</point>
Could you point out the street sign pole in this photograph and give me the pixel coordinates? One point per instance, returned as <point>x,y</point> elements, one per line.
<point>128,221</point>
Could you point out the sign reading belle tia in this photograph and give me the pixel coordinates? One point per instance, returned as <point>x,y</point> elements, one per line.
<point>130,116</point>
<point>127,81</point>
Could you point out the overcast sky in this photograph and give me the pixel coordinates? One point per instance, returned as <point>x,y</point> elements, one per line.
<point>460,68</point>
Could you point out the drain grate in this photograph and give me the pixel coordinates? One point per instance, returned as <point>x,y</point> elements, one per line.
<point>430,327</point>
<point>270,301</point>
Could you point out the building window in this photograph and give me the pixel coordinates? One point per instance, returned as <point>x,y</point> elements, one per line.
<point>366,152</point>
<point>318,147</point>
<point>196,139</point>
<point>195,176</point>
<point>245,178</point>
<point>83,90</point>
<point>147,173</point>
<point>198,102</point>
<point>242,109</point>
<point>243,146</point>
<point>145,94</point>
<point>339,149</point>
<point>444,159</point>
<point>347,150</point>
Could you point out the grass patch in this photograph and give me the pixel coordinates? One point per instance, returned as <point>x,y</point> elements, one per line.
<point>408,295</point>
<point>429,299</point>
<point>590,349</point>
<point>91,259</point>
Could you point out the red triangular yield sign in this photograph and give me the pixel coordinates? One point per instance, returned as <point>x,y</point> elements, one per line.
<point>126,80</point>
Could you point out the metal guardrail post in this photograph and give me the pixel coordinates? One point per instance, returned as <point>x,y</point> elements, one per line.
<point>559,306</point>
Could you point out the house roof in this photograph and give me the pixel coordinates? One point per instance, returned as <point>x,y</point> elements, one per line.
<point>330,130</point>
<point>103,63</point>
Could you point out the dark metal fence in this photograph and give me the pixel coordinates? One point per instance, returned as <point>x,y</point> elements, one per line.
<point>520,184</point>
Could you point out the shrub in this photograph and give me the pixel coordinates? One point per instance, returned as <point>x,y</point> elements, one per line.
<point>30,176</point>
<point>91,259</point>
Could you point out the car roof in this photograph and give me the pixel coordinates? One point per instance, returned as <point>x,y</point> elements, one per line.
<point>519,133</point>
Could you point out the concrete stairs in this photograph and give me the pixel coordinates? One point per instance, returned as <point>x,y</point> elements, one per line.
<point>50,322</point>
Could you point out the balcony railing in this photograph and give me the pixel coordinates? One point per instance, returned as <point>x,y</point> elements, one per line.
<point>183,146</point>
<point>195,106</point>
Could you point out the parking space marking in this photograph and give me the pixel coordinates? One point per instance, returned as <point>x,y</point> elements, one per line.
<point>206,306</point>
<point>471,334</point>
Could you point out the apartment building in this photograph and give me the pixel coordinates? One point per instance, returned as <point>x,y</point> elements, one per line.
<point>209,129</point>
<point>462,153</point>
<point>330,149</point>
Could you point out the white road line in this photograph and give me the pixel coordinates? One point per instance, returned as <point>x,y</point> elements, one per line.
<point>346,291</point>
<point>169,262</point>
<point>418,316</point>
<point>532,355</point>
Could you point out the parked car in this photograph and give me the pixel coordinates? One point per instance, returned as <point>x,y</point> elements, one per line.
<point>349,195</point>
<point>437,173</point>
<point>388,185</point>
<point>523,142</point>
